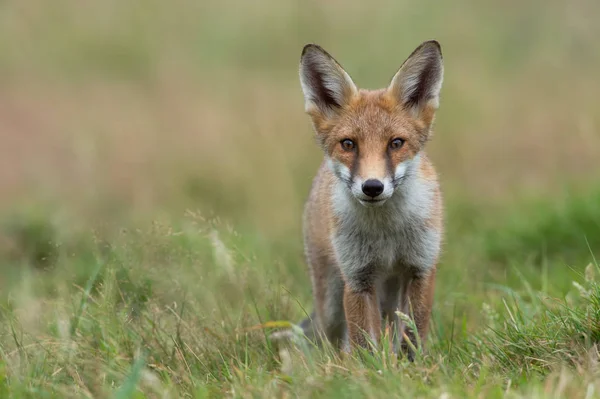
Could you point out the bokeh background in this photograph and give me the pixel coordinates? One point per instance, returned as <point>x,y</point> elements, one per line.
<point>123,123</point>
<point>159,105</point>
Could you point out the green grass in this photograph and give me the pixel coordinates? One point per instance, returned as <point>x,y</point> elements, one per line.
<point>173,308</point>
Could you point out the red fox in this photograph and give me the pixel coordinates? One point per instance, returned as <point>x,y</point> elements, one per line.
<point>373,221</point>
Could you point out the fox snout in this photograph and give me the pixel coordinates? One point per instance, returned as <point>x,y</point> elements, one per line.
<point>372,188</point>
<point>372,191</point>
<point>367,187</point>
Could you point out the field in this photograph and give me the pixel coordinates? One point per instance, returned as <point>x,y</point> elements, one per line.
<point>155,159</point>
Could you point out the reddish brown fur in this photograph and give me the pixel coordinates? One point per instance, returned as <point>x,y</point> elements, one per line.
<point>356,121</point>
<point>420,294</point>
<point>370,108</point>
<point>362,316</point>
<point>320,224</point>
<point>371,119</point>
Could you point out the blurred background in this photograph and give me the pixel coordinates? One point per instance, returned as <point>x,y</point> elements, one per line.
<point>117,112</point>
<point>123,123</point>
<point>117,107</point>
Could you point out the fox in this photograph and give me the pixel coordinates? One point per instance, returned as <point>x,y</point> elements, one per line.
<point>373,220</point>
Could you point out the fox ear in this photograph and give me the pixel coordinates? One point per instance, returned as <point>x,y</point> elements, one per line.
<point>326,86</point>
<point>418,82</point>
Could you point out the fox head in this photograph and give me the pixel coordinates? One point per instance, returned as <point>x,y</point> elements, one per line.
<point>372,138</point>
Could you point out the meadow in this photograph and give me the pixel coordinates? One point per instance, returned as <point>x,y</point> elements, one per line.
<point>154,162</point>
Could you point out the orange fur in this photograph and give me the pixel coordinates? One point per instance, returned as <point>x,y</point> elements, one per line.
<point>367,261</point>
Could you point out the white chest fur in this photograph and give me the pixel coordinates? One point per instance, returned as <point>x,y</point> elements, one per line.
<point>387,238</point>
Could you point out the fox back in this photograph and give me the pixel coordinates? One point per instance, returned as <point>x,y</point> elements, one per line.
<point>373,222</point>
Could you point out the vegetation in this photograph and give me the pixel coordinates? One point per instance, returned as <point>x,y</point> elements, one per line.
<point>154,163</point>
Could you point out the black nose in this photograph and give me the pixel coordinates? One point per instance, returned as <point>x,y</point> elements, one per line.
<point>372,187</point>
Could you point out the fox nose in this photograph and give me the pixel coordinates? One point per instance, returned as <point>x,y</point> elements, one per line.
<point>372,187</point>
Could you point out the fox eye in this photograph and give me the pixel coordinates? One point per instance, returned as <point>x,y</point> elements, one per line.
<point>348,144</point>
<point>396,143</point>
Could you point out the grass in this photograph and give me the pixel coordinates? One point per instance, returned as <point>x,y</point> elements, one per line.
<point>153,167</point>
<point>176,309</point>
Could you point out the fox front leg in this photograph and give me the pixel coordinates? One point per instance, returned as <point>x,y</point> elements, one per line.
<point>361,307</point>
<point>362,316</point>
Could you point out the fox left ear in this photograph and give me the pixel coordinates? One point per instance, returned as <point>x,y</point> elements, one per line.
<point>417,84</point>
<point>326,86</point>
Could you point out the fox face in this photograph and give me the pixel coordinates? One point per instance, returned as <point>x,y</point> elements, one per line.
<point>372,138</point>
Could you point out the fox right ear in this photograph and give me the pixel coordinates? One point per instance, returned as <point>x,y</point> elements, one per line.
<point>326,86</point>
<point>418,83</point>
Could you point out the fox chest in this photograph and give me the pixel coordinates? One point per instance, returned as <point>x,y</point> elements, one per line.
<point>386,247</point>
